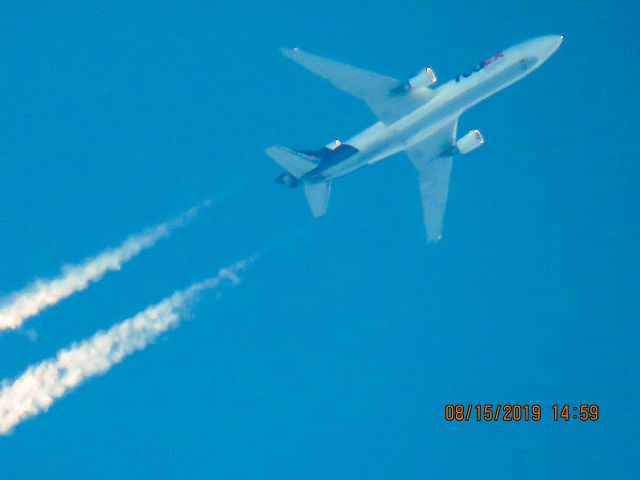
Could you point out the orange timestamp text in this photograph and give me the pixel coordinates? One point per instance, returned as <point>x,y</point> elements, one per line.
<point>516,412</point>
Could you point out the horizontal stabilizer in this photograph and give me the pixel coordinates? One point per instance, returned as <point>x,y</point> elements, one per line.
<point>297,164</point>
<point>317,194</point>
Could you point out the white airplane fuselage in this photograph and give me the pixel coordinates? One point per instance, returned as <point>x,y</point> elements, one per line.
<point>451,99</point>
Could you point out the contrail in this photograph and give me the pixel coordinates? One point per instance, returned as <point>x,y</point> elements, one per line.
<point>17,307</point>
<point>41,384</point>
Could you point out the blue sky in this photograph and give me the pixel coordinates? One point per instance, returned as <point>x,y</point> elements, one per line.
<point>335,356</point>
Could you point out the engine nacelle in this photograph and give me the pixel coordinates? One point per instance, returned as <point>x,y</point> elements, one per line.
<point>287,179</point>
<point>469,142</point>
<point>425,78</point>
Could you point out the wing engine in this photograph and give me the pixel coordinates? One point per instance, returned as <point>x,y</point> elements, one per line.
<point>424,78</point>
<point>469,142</point>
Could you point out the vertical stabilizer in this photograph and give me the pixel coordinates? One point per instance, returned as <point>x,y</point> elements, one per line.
<point>317,194</point>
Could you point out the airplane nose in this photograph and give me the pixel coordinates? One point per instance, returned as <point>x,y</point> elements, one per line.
<point>552,42</point>
<point>559,41</point>
<point>546,46</point>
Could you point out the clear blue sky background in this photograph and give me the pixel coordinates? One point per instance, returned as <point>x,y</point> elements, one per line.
<point>336,355</point>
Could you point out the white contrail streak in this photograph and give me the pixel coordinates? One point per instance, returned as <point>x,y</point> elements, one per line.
<point>17,307</point>
<point>41,384</point>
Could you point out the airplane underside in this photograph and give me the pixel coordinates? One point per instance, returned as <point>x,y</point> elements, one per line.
<point>413,118</point>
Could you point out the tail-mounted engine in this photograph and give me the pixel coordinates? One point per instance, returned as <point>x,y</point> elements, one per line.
<point>469,142</point>
<point>287,179</point>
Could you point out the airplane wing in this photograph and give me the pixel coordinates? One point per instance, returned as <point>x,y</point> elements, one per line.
<point>434,171</point>
<point>373,88</point>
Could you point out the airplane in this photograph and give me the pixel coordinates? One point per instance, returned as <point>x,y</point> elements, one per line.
<point>414,117</point>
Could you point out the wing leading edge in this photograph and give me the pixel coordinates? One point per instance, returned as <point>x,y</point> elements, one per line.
<point>376,90</point>
<point>433,160</point>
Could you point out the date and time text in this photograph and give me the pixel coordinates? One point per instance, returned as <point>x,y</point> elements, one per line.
<point>515,412</point>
